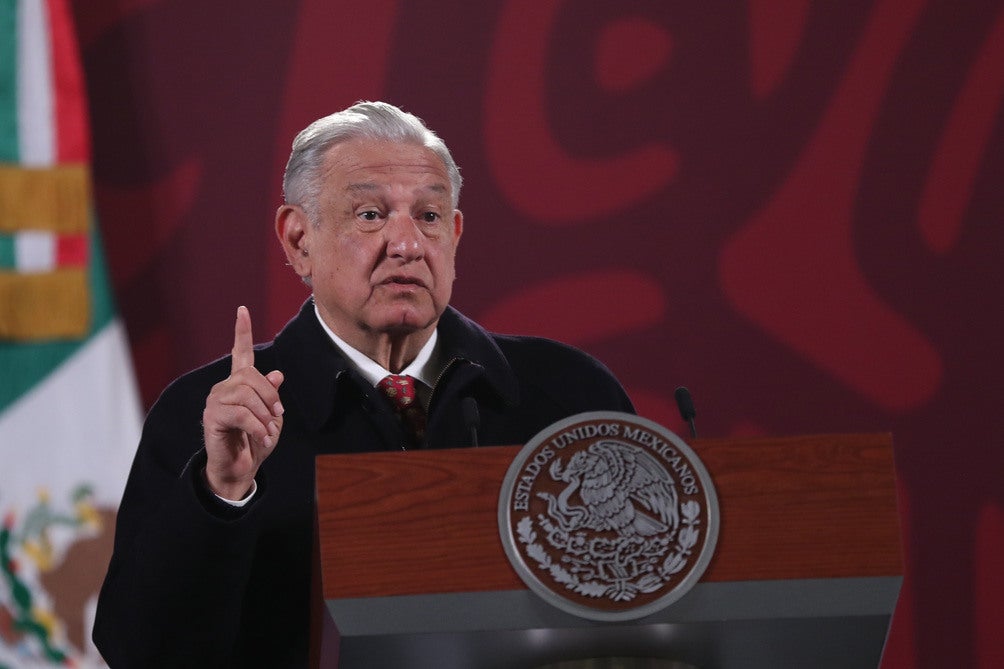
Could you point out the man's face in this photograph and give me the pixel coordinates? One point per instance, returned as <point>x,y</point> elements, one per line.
<point>381,257</point>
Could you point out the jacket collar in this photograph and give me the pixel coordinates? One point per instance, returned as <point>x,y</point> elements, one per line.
<point>463,339</point>
<point>315,369</point>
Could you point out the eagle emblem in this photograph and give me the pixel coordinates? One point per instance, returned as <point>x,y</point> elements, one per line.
<point>620,487</point>
<point>608,516</point>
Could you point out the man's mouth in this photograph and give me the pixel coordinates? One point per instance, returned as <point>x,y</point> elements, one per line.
<point>403,281</point>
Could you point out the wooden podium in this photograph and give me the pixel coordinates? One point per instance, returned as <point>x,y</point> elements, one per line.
<point>410,570</point>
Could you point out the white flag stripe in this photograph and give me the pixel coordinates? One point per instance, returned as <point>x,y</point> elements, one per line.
<point>78,425</point>
<point>34,251</point>
<point>36,126</point>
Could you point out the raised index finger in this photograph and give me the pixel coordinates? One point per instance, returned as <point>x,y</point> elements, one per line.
<point>243,353</point>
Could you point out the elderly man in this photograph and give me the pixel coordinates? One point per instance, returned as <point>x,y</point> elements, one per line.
<point>212,547</point>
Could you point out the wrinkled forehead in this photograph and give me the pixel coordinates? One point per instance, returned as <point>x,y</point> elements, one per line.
<point>369,187</point>
<point>367,165</point>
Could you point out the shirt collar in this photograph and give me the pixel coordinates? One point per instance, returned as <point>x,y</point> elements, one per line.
<point>425,367</point>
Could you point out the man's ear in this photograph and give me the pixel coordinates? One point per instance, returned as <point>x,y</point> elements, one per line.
<point>293,230</point>
<point>458,226</point>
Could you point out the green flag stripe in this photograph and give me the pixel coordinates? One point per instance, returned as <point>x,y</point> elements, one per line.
<point>8,259</point>
<point>24,365</point>
<point>9,151</point>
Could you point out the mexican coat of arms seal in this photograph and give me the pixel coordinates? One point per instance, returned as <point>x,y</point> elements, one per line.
<point>608,516</point>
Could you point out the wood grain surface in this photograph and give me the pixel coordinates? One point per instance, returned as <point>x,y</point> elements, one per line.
<point>423,522</point>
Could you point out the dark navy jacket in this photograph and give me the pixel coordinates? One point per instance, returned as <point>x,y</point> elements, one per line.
<point>196,583</point>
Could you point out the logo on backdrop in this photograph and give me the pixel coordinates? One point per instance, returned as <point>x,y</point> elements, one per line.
<point>608,516</point>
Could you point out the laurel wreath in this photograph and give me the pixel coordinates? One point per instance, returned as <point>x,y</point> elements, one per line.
<point>621,590</point>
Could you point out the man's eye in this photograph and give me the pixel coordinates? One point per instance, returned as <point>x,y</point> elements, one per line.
<point>429,217</point>
<point>369,215</point>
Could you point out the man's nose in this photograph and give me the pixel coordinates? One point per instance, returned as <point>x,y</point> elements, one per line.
<point>404,239</point>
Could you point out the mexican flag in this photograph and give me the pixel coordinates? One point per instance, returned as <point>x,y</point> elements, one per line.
<point>69,407</point>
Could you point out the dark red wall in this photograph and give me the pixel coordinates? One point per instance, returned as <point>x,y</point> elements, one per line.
<point>793,208</point>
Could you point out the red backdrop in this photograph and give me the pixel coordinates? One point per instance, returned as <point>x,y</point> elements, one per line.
<point>792,207</point>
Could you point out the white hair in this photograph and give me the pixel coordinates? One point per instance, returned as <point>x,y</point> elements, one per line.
<point>301,184</point>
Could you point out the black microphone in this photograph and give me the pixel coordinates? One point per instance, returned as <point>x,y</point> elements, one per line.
<point>472,418</point>
<point>685,403</point>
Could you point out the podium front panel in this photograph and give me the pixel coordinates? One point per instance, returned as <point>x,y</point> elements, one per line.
<point>808,565</point>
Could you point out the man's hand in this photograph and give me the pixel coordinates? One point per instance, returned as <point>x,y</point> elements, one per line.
<point>242,419</point>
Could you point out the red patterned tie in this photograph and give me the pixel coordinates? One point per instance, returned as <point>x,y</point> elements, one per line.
<point>400,390</point>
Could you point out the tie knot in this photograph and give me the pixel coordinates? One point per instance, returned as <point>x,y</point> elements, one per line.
<point>399,389</point>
